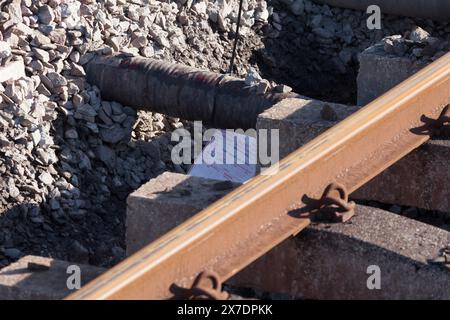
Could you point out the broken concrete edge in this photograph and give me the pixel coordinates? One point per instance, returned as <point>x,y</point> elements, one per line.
<point>39,278</point>
<point>165,202</point>
<point>343,261</point>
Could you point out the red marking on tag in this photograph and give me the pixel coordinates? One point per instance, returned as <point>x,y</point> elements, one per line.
<point>124,63</point>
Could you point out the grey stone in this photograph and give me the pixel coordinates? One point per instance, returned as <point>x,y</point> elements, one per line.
<point>40,40</point>
<point>12,253</point>
<point>116,108</point>
<point>106,155</point>
<point>419,35</point>
<point>104,117</point>
<point>77,70</point>
<point>46,178</point>
<point>41,54</point>
<point>86,112</point>
<point>107,108</point>
<point>282,88</point>
<point>5,50</point>
<point>71,133</point>
<point>78,253</point>
<point>252,78</point>
<point>13,191</point>
<point>36,137</point>
<point>112,134</point>
<point>323,33</point>
<point>46,14</point>
<point>58,36</point>
<point>119,118</point>
<point>15,11</point>
<point>12,71</point>
<point>57,79</point>
<point>298,7</point>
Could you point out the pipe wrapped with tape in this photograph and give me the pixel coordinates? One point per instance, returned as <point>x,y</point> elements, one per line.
<point>179,91</point>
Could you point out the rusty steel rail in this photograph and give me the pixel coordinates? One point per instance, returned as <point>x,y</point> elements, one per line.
<point>242,226</point>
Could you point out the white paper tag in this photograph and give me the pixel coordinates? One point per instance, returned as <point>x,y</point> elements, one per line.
<point>228,156</point>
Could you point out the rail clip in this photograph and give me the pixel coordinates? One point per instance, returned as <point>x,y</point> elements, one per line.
<point>333,206</point>
<point>447,256</point>
<point>438,128</point>
<point>206,286</point>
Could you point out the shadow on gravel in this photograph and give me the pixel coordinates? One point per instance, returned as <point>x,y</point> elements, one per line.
<point>294,60</point>
<point>82,218</point>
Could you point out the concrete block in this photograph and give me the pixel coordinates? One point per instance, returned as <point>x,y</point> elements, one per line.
<point>165,202</point>
<point>380,71</point>
<point>40,278</point>
<point>12,71</point>
<point>300,120</point>
<point>331,261</point>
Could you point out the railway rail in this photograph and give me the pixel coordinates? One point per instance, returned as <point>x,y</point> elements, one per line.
<point>237,229</point>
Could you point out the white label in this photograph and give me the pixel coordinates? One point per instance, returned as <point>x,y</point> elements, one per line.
<point>228,156</point>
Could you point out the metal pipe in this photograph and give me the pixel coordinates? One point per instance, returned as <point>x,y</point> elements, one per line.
<point>427,9</point>
<point>179,91</point>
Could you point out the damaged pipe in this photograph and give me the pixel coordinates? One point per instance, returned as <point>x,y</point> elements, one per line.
<point>179,91</point>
